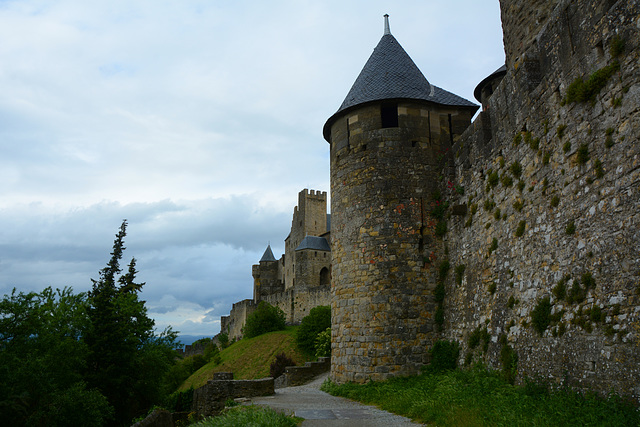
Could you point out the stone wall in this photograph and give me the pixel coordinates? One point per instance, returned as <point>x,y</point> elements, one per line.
<point>299,375</point>
<point>233,323</point>
<point>548,253</point>
<point>210,399</point>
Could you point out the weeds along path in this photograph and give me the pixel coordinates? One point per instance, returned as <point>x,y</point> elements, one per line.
<point>321,409</point>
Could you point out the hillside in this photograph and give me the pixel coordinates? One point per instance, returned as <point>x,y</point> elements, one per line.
<point>249,358</point>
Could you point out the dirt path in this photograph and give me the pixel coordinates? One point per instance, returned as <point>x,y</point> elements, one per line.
<point>321,409</point>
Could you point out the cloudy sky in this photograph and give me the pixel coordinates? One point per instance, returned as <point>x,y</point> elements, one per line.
<point>197,121</point>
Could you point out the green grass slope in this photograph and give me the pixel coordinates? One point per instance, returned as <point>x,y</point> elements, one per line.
<point>249,358</point>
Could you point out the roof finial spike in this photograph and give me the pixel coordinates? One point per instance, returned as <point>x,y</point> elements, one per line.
<point>387,32</point>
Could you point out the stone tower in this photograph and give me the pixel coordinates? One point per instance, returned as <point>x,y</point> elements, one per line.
<point>389,148</point>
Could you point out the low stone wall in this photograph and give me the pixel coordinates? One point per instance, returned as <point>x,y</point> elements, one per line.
<point>210,399</point>
<point>298,375</point>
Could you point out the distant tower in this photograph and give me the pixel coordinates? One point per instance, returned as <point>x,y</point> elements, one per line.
<point>388,140</point>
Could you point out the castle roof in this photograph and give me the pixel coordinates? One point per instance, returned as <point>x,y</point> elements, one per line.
<point>268,255</point>
<point>314,242</point>
<point>391,74</point>
<point>500,72</point>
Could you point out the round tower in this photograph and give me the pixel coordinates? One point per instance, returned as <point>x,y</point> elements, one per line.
<point>389,142</point>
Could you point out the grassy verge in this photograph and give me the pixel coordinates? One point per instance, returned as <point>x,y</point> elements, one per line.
<point>249,358</point>
<point>249,416</point>
<point>481,398</point>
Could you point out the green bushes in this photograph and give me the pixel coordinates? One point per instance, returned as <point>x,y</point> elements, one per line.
<point>265,319</point>
<point>323,343</point>
<point>444,356</point>
<point>582,91</point>
<point>279,365</point>
<point>249,416</point>
<point>541,315</point>
<point>318,320</point>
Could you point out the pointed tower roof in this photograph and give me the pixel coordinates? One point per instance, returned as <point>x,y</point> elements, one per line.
<point>390,73</point>
<point>268,255</point>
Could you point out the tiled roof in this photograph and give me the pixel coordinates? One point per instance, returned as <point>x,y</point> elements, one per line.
<point>314,242</point>
<point>391,74</point>
<point>268,255</point>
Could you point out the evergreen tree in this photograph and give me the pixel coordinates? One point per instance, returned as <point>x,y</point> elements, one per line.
<point>125,362</point>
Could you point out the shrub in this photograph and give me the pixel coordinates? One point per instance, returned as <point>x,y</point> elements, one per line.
<point>323,343</point>
<point>318,320</point>
<point>617,46</point>
<point>444,355</point>
<point>265,319</point>
<point>588,281</point>
<point>509,359</point>
<point>583,91</point>
<point>541,315</point>
<point>494,245</point>
<point>439,316</point>
<point>560,290</point>
<point>571,228</point>
<point>444,269</point>
<point>555,201</point>
<point>583,154</point>
<point>439,292</point>
<point>479,335</point>
<point>516,169</point>
<point>494,178</point>
<point>566,147</point>
<point>223,339</point>
<point>576,294</point>
<point>441,228</point>
<point>518,204</point>
<point>560,130</point>
<point>597,166</point>
<point>279,365</point>
<point>492,288</point>
<point>521,227</point>
<point>517,139</point>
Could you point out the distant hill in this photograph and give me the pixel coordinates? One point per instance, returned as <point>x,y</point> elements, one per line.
<point>250,358</point>
<point>189,339</point>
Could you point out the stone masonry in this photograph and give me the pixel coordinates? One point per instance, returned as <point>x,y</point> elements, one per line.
<point>553,193</point>
<point>541,229</point>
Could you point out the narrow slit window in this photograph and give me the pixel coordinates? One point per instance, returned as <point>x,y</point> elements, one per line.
<point>389,115</point>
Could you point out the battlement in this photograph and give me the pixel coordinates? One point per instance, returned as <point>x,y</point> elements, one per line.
<point>312,194</point>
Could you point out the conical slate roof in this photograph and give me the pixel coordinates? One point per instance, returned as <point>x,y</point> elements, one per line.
<point>268,255</point>
<point>391,74</point>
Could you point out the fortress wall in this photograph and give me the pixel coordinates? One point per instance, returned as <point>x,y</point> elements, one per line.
<point>592,340</point>
<point>233,323</point>
<point>307,299</point>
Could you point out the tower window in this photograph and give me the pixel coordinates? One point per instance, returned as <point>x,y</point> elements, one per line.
<point>389,115</point>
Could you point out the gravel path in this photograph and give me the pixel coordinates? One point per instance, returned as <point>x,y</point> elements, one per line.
<point>321,409</point>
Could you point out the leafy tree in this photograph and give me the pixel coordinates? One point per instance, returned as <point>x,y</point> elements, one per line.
<point>266,318</point>
<point>42,357</point>
<point>318,320</point>
<point>323,343</point>
<point>126,362</point>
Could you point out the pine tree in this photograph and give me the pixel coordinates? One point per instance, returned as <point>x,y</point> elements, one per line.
<point>119,333</point>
